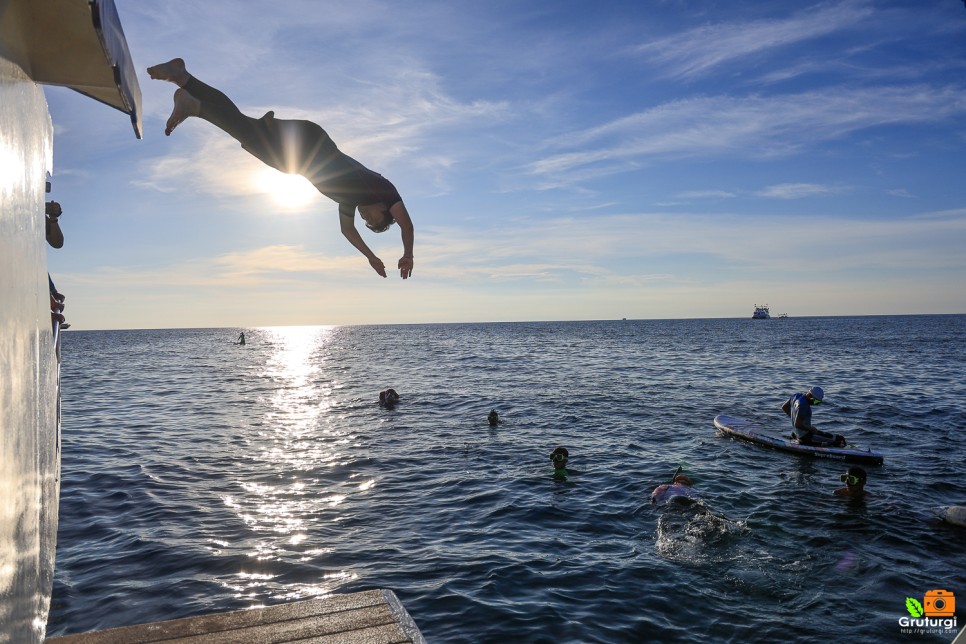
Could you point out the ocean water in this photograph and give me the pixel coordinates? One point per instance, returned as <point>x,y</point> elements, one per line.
<point>203,476</point>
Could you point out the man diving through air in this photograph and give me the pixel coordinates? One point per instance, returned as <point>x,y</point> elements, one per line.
<point>299,147</point>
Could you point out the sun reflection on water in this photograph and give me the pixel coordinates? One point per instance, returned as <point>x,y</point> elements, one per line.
<point>291,496</point>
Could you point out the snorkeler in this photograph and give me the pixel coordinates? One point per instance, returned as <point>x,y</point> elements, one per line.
<point>559,458</point>
<point>493,418</point>
<point>679,490</point>
<point>854,481</point>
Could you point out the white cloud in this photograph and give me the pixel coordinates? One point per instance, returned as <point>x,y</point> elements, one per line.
<point>797,190</point>
<point>749,127</point>
<point>698,51</point>
<point>706,194</point>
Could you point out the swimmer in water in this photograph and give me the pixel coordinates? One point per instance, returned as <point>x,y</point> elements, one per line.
<point>493,418</point>
<point>559,458</point>
<point>388,397</point>
<point>679,490</point>
<point>854,481</point>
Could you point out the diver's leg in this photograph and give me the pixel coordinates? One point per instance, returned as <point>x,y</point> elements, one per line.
<point>172,71</point>
<point>220,111</point>
<point>195,98</point>
<point>185,105</point>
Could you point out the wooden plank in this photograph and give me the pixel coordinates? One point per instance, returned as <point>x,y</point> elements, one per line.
<point>374,616</point>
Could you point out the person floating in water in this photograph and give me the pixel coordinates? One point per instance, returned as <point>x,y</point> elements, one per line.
<point>493,418</point>
<point>679,490</point>
<point>559,458</point>
<point>388,397</point>
<point>854,480</point>
<point>299,147</point>
<point>799,409</point>
<point>241,338</point>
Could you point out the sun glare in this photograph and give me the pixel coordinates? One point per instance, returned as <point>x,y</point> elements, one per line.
<point>288,190</point>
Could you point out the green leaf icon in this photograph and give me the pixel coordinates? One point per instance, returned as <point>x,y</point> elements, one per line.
<point>914,607</point>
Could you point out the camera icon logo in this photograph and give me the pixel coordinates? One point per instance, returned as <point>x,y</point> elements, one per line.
<point>939,603</point>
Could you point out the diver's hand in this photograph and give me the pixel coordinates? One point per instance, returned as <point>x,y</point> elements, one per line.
<point>405,267</point>
<point>377,265</point>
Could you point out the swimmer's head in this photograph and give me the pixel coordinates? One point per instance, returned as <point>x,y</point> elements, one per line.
<point>493,417</point>
<point>559,457</point>
<point>815,395</point>
<point>683,479</point>
<point>855,476</point>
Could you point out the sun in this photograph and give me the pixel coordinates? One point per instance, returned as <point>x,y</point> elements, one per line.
<point>290,191</point>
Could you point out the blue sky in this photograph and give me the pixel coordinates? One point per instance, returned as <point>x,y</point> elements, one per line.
<point>561,160</point>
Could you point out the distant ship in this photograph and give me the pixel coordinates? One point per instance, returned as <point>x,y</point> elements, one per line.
<point>761,313</point>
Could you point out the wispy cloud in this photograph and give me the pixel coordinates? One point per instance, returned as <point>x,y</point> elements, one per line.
<point>706,194</point>
<point>699,51</point>
<point>902,192</point>
<point>749,127</point>
<point>797,190</point>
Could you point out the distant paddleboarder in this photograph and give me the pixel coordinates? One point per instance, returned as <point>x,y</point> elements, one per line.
<point>241,338</point>
<point>299,147</point>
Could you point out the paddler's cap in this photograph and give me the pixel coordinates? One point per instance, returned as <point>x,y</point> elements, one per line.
<point>817,394</point>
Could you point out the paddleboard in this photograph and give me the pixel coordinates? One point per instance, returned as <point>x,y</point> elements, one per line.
<point>954,514</point>
<point>753,433</point>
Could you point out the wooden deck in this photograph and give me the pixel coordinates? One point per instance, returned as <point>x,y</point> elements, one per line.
<point>370,617</point>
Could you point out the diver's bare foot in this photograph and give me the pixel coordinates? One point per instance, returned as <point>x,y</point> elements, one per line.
<point>185,105</point>
<point>172,71</point>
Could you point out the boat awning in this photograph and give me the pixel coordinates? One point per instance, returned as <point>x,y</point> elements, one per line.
<point>73,43</point>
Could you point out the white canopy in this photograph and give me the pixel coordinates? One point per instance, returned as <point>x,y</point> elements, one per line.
<point>73,43</point>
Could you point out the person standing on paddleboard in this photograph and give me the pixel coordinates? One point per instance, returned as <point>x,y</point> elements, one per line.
<point>298,147</point>
<point>799,408</point>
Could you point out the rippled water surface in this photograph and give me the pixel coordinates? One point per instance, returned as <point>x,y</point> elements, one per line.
<point>203,476</point>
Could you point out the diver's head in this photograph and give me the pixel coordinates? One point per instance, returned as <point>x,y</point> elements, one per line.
<point>377,217</point>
